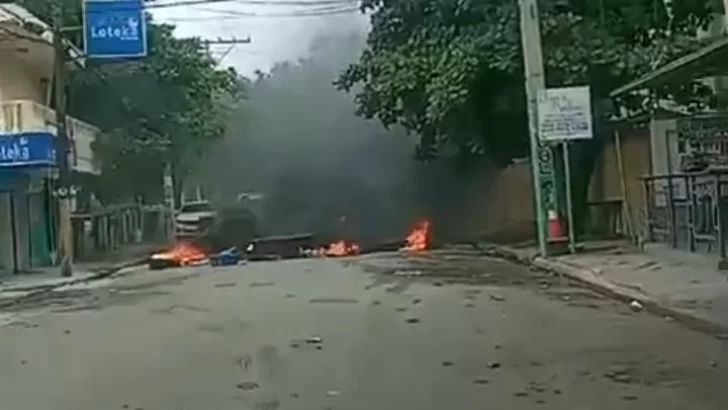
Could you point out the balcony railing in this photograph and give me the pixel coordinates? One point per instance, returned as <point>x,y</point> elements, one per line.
<point>29,116</point>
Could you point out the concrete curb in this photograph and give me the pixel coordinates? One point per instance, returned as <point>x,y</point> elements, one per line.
<point>40,290</point>
<point>593,280</point>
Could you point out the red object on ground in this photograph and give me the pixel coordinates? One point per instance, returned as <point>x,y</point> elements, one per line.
<point>556,229</point>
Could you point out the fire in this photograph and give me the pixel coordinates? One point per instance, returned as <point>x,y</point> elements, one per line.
<point>339,248</point>
<point>183,253</point>
<point>419,238</point>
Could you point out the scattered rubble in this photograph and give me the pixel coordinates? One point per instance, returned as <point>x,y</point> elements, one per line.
<point>314,340</point>
<point>636,306</point>
<point>407,273</point>
<point>247,385</point>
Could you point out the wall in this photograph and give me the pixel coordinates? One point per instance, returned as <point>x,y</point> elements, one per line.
<point>664,146</point>
<point>606,182</point>
<point>498,206</point>
<point>6,238</point>
<point>17,82</point>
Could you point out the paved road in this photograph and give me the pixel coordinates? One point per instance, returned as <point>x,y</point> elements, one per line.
<point>445,331</point>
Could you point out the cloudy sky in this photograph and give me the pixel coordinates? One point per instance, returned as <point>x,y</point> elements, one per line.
<point>279,29</point>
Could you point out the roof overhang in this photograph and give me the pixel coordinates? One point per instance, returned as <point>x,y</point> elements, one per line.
<point>23,24</point>
<point>709,61</point>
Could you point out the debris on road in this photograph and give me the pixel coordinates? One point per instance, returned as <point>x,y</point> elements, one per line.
<point>407,273</point>
<point>181,254</point>
<point>413,320</point>
<point>314,340</point>
<point>619,376</point>
<point>247,385</point>
<point>494,365</point>
<point>228,257</point>
<point>447,363</point>
<point>497,298</point>
<point>333,393</point>
<point>481,381</point>
<point>636,306</point>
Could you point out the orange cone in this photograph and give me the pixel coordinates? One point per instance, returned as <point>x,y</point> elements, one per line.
<point>556,230</point>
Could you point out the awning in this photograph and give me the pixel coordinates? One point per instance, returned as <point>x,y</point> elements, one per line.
<point>711,60</point>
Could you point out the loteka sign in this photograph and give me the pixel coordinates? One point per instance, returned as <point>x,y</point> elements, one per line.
<point>115,29</point>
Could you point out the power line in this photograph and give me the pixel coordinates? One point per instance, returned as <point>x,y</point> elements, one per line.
<point>187,3</point>
<point>228,15</point>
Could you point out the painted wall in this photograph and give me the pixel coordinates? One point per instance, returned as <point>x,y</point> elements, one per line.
<point>18,82</point>
<point>497,206</point>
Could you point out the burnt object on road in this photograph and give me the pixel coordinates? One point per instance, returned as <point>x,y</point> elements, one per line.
<point>279,247</point>
<point>228,257</point>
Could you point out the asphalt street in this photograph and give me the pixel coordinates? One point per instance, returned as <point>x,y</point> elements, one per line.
<point>444,330</point>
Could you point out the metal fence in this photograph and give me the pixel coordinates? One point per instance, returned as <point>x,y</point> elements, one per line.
<point>688,210</point>
<point>116,226</point>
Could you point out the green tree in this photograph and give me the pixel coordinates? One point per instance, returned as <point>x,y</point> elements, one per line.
<point>166,108</point>
<point>451,71</point>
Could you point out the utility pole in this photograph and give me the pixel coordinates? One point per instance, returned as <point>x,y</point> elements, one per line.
<point>63,190</point>
<point>542,162</point>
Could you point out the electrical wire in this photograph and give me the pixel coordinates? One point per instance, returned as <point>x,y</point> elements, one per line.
<point>229,15</point>
<point>187,3</point>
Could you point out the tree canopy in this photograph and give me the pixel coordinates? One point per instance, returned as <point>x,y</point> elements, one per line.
<point>451,70</point>
<point>165,108</point>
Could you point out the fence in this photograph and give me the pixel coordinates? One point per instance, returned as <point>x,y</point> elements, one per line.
<point>111,228</point>
<point>688,210</point>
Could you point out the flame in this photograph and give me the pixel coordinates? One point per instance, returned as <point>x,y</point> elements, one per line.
<point>183,252</point>
<point>419,238</point>
<point>339,248</point>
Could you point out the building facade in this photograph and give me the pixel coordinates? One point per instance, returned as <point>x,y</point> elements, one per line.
<point>28,207</point>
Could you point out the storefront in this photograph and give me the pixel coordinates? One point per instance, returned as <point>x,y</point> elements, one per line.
<point>26,162</point>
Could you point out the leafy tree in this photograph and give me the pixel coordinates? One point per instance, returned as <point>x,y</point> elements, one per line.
<point>163,109</point>
<point>451,70</point>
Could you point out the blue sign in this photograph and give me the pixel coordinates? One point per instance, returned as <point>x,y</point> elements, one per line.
<point>27,149</point>
<point>115,28</point>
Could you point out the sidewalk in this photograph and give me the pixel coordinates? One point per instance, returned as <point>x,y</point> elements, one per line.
<point>49,278</point>
<point>676,284</point>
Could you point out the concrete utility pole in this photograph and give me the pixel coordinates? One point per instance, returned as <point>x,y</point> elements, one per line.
<point>542,165</point>
<point>63,190</point>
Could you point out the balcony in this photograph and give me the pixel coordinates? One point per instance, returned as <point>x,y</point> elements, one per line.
<point>28,116</point>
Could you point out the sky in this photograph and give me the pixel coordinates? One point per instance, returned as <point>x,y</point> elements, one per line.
<point>279,29</point>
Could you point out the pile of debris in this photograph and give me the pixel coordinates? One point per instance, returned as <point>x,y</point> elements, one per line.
<point>203,250</point>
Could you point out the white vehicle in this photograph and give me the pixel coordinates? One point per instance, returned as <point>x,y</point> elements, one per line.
<point>192,218</point>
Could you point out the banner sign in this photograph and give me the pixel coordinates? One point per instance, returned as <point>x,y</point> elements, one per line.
<point>115,29</point>
<point>564,114</point>
<point>27,149</point>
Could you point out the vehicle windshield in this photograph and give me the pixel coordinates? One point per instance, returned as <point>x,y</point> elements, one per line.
<point>196,207</point>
